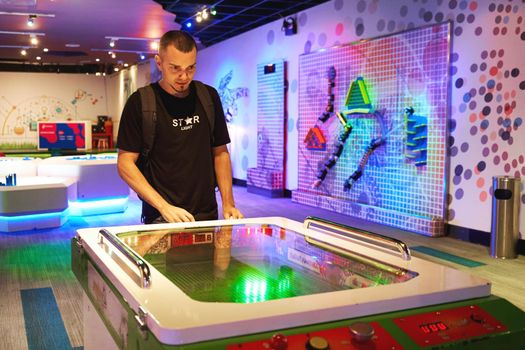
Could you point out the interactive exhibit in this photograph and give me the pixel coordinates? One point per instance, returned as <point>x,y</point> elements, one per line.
<point>65,186</point>
<point>273,283</point>
<point>373,129</point>
<point>268,177</point>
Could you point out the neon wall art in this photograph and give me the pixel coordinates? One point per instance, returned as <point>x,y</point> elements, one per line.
<point>392,164</point>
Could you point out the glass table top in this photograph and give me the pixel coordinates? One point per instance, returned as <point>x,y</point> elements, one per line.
<point>254,263</point>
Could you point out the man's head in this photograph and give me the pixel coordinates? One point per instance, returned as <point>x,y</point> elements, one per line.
<point>176,60</point>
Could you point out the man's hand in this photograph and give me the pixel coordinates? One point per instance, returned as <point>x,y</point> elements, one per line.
<point>171,213</point>
<point>231,213</point>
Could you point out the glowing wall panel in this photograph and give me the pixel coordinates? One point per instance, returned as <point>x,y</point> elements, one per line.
<point>268,176</point>
<point>400,70</point>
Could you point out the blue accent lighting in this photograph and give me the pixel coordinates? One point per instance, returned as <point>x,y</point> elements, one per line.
<point>188,24</point>
<point>97,207</point>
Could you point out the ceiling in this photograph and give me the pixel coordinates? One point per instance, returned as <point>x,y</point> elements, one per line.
<point>232,17</point>
<point>77,33</point>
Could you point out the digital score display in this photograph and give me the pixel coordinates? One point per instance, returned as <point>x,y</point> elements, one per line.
<point>433,327</point>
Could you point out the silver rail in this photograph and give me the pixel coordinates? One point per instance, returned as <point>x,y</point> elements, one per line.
<point>130,255</point>
<point>361,235</point>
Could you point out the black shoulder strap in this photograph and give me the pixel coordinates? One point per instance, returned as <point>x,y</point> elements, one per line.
<point>149,117</point>
<point>209,109</point>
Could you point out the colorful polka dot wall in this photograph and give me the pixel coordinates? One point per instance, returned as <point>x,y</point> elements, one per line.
<point>487,85</point>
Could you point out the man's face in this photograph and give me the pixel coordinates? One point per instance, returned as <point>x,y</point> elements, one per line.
<point>178,69</point>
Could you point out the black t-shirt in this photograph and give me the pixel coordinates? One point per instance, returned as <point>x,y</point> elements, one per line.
<point>181,161</point>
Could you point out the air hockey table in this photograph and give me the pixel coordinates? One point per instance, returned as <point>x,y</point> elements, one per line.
<point>100,190</point>
<point>274,283</point>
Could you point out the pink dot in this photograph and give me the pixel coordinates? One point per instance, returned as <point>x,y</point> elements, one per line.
<point>483,196</point>
<point>505,155</point>
<point>473,6</point>
<point>506,167</point>
<point>339,28</point>
<point>493,71</point>
<point>517,174</point>
<point>514,163</point>
<point>521,159</point>
<point>480,182</point>
<point>523,170</point>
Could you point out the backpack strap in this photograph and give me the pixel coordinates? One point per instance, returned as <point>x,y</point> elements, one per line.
<point>209,109</point>
<point>149,118</point>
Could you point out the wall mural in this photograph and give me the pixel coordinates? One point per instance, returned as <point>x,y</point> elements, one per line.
<point>229,96</point>
<point>384,123</point>
<point>18,129</point>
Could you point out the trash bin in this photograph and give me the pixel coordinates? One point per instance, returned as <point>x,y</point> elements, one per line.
<point>505,217</point>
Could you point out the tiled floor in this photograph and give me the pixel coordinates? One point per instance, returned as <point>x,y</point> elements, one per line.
<point>40,260</point>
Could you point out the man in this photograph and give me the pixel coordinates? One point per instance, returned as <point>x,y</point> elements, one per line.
<point>187,156</point>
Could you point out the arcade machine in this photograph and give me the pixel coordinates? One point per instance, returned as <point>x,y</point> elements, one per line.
<point>274,283</point>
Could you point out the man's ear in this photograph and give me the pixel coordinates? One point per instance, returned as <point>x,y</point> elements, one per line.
<point>157,60</point>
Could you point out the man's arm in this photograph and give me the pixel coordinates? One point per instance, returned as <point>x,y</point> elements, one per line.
<point>129,172</point>
<point>223,173</point>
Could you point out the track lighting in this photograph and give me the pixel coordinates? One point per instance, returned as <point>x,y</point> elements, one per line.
<point>31,20</point>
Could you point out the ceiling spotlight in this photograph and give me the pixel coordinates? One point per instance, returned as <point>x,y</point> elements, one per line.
<point>33,40</point>
<point>23,52</point>
<point>199,17</point>
<point>113,55</point>
<point>38,58</point>
<point>154,45</point>
<point>110,53</point>
<point>204,14</point>
<point>31,20</point>
<point>45,49</point>
<point>125,64</point>
<point>213,11</point>
<point>142,56</point>
<point>289,26</point>
<point>115,69</point>
<point>112,43</point>
<point>188,24</point>
<point>97,59</point>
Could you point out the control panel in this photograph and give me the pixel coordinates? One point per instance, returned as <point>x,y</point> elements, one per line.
<point>427,330</point>
<point>449,325</point>
<point>357,336</point>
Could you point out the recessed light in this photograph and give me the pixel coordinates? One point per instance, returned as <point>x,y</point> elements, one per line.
<point>72,45</point>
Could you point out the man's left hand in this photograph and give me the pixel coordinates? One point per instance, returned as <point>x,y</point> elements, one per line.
<point>232,213</point>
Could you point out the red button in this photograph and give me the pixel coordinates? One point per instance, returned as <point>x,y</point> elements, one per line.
<point>279,342</point>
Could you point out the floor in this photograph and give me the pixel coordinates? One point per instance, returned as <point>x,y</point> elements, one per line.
<point>36,264</point>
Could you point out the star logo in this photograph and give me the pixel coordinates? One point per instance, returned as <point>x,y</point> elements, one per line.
<point>188,120</point>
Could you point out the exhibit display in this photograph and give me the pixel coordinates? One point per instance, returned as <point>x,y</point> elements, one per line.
<point>257,283</point>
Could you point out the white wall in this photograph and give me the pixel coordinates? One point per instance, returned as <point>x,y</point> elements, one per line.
<point>481,51</point>
<point>29,97</point>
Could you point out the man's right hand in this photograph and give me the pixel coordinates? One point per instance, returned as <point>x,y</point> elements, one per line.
<point>171,213</point>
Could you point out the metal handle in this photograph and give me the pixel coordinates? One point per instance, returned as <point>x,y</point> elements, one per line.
<point>362,235</point>
<point>130,255</point>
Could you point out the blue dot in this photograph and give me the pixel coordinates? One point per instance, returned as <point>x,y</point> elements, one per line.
<point>453,151</point>
<point>484,139</point>
<point>293,86</point>
<point>452,125</point>
<point>518,122</point>
<point>454,57</point>
<point>456,180</point>
<point>467,174</point>
<point>506,122</point>
<point>458,170</point>
<point>451,141</point>
<point>459,83</point>
<point>466,97</point>
<point>491,83</point>
<point>453,70</point>
<point>459,193</point>
<point>484,124</point>
<point>462,107</point>
<point>244,163</point>
<point>464,147</point>
<point>481,166</point>
<point>307,47</point>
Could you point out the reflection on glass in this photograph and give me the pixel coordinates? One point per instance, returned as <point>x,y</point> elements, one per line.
<point>253,263</point>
